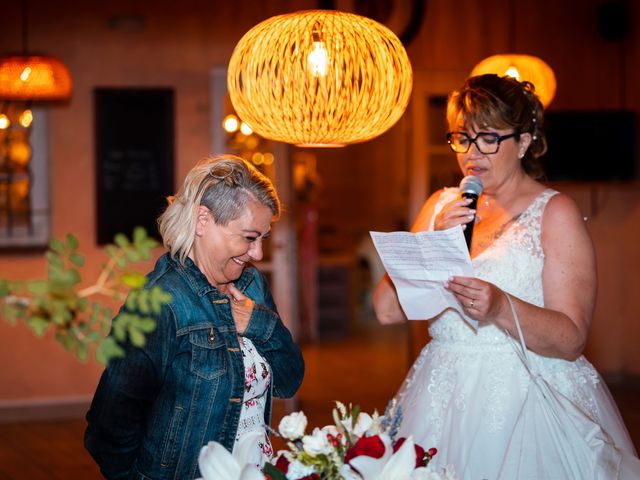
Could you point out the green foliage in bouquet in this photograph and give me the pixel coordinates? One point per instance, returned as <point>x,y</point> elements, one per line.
<point>76,316</point>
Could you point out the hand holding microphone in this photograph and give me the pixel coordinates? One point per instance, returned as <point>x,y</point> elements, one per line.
<point>470,187</point>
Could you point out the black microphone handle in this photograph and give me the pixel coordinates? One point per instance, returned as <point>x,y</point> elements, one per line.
<point>468,231</point>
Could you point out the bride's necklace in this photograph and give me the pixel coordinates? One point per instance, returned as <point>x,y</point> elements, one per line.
<point>487,201</point>
<point>487,240</point>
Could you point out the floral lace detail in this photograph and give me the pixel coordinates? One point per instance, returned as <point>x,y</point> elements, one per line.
<point>576,380</point>
<point>446,390</point>
<point>440,386</point>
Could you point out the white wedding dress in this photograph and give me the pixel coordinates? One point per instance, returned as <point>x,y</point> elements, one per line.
<point>466,393</point>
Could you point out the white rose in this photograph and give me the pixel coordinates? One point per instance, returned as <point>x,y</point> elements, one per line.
<point>297,470</point>
<point>293,425</point>
<point>316,443</point>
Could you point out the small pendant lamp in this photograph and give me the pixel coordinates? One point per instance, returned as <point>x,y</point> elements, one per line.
<point>319,78</point>
<point>522,67</point>
<point>27,77</point>
<point>34,78</point>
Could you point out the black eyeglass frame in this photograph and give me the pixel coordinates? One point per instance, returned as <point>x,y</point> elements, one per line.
<point>499,139</point>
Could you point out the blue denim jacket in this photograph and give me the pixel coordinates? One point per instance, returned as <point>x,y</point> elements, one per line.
<point>154,409</point>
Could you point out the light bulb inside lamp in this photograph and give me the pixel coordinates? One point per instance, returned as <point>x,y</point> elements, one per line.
<point>512,71</point>
<point>26,118</point>
<point>26,73</point>
<point>318,59</point>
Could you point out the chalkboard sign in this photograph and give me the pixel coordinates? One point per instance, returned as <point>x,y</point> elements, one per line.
<point>134,158</point>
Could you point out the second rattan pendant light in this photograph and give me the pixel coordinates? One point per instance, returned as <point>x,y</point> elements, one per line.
<point>522,67</point>
<point>320,78</point>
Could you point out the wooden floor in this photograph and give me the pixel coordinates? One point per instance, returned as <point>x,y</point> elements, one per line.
<point>365,368</point>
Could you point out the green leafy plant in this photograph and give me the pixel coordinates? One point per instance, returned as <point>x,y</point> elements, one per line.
<point>79,317</point>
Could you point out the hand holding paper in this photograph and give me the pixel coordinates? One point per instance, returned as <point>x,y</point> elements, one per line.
<point>420,264</point>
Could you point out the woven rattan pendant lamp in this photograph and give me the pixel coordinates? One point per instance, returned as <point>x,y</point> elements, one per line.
<point>522,67</point>
<point>34,78</point>
<point>320,78</point>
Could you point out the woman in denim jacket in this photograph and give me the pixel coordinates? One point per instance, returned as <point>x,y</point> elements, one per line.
<point>219,352</point>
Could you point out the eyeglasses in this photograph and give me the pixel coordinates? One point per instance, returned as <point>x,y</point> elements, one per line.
<point>486,142</point>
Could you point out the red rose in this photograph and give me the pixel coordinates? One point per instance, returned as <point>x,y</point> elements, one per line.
<point>282,464</point>
<point>420,458</point>
<point>368,446</point>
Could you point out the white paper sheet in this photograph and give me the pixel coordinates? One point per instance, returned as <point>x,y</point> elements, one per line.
<point>420,264</point>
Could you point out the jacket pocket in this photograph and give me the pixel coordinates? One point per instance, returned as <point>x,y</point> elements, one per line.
<point>208,358</point>
<point>171,440</point>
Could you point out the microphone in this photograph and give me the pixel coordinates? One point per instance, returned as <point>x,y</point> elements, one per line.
<point>470,187</point>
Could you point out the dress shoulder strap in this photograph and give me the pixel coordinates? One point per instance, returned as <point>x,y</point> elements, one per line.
<point>535,210</point>
<point>527,228</point>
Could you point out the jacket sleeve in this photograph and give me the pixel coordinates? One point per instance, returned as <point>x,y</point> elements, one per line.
<point>274,342</point>
<point>125,393</point>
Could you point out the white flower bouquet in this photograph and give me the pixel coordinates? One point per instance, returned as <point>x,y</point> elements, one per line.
<point>358,446</point>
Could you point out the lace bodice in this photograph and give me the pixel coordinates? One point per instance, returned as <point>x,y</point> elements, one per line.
<point>513,263</point>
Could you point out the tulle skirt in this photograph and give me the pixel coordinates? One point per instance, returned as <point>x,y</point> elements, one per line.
<point>490,418</point>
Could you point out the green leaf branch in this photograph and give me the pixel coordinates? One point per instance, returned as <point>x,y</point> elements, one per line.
<point>81,319</point>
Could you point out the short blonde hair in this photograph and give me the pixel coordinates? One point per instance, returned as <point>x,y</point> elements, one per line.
<point>224,184</point>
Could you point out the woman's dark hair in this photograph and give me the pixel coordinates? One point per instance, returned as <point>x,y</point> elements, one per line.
<point>501,103</point>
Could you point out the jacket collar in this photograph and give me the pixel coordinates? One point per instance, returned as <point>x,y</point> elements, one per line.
<point>199,282</point>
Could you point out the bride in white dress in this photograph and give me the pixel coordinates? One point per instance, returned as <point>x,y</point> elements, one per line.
<point>469,393</point>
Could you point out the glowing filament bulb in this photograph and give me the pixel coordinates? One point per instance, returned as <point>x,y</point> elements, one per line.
<point>24,76</point>
<point>246,129</point>
<point>318,59</point>
<point>513,72</point>
<point>26,118</point>
<point>4,121</point>
<point>230,123</point>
